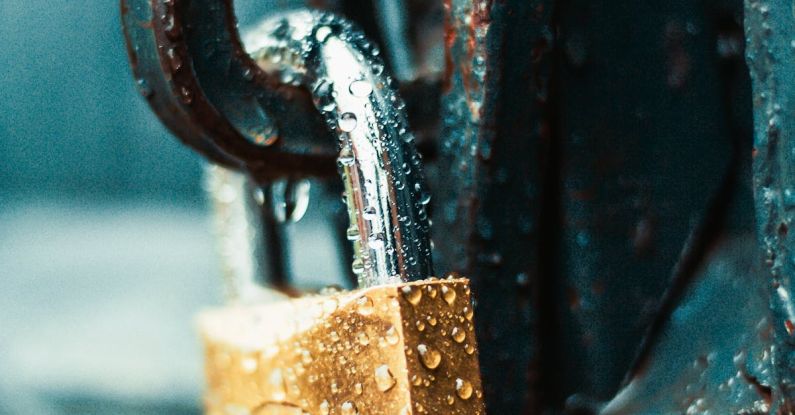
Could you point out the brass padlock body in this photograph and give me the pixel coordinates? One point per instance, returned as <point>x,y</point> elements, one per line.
<point>396,349</point>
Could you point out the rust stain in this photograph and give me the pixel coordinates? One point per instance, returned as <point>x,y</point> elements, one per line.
<point>449,41</point>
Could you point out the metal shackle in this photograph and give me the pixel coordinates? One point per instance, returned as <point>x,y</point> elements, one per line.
<point>380,166</point>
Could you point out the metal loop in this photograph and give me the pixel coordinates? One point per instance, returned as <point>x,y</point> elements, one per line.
<point>381,168</point>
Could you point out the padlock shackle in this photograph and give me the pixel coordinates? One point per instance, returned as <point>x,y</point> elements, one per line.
<point>381,168</point>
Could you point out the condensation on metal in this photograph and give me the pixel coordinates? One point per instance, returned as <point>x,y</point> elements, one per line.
<point>770,53</point>
<point>384,187</point>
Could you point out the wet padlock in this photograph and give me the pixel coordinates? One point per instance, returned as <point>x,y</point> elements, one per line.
<point>403,342</point>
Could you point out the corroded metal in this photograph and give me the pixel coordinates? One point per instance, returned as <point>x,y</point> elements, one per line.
<point>191,67</point>
<point>641,109</point>
<point>487,184</point>
<point>769,31</point>
<point>396,349</point>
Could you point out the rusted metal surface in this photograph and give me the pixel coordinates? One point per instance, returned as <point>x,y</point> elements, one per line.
<point>191,67</point>
<point>645,146</point>
<point>487,193</point>
<point>769,30</point>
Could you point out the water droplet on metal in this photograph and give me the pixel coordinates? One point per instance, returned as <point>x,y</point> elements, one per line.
<point>352,233</point>
<point>364,305</point>
<point>306,357</point>
<point>412,295</point>
<point>469,349</point>
<point>430,357</point>
<point>392,337</point>
<point>468,313</point>
<point>448,294</point>
<point>348,408</point>
<point>463,388</point>
<point>276,380</point>
<point>346,157</point>
<point>249,365</point>
<point>362,338</point>
<point>357,266</point>
<point>369,213</point>
<point>322,33</point>
<point>431,291</point>
<point>347,122</point>
<point>384,380</point>
<point>458,335</point>
<point>360,88</point>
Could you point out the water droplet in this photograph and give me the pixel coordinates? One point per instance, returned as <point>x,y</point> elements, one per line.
<point>420,325</point>
<point>186,95</point>
<point>789,198</point>
<point>364,305</point>
<point>324,408</point>
<point>450,399</point>
<point>360,88</point>
<point>384,379</point>
<point>276,381</point>
<point>248,74</point>
<point>347,122</point>
<point>392,337</point>
<point>329,304</point>
<point>322,33</point>
<point>144,89</point>
<point>469,349</point>
<point>346,157</point>
<point>431,291</point>
<point>306,357</point>
<point>458,335</point>
<point>357,266</point>
<point>376,241</point>
<point>362,338</point>
<point>430,357</point>
<point>348,408</point>
<point>369,213</point>
<point>468,313</point>
<point>431,320</point>
<point>357,388</point>
<point>175,61</point>
<point>463,388</point>
<point>448,294</point>
<point>249,365</point>
<point>412,295</point>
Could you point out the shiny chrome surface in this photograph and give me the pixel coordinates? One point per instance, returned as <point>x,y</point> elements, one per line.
<point>381,169</point>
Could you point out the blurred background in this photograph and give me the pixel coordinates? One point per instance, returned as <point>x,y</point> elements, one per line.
<point>106,247</point>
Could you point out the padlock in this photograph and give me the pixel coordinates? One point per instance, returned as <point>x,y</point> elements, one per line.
<point>403,342</point>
